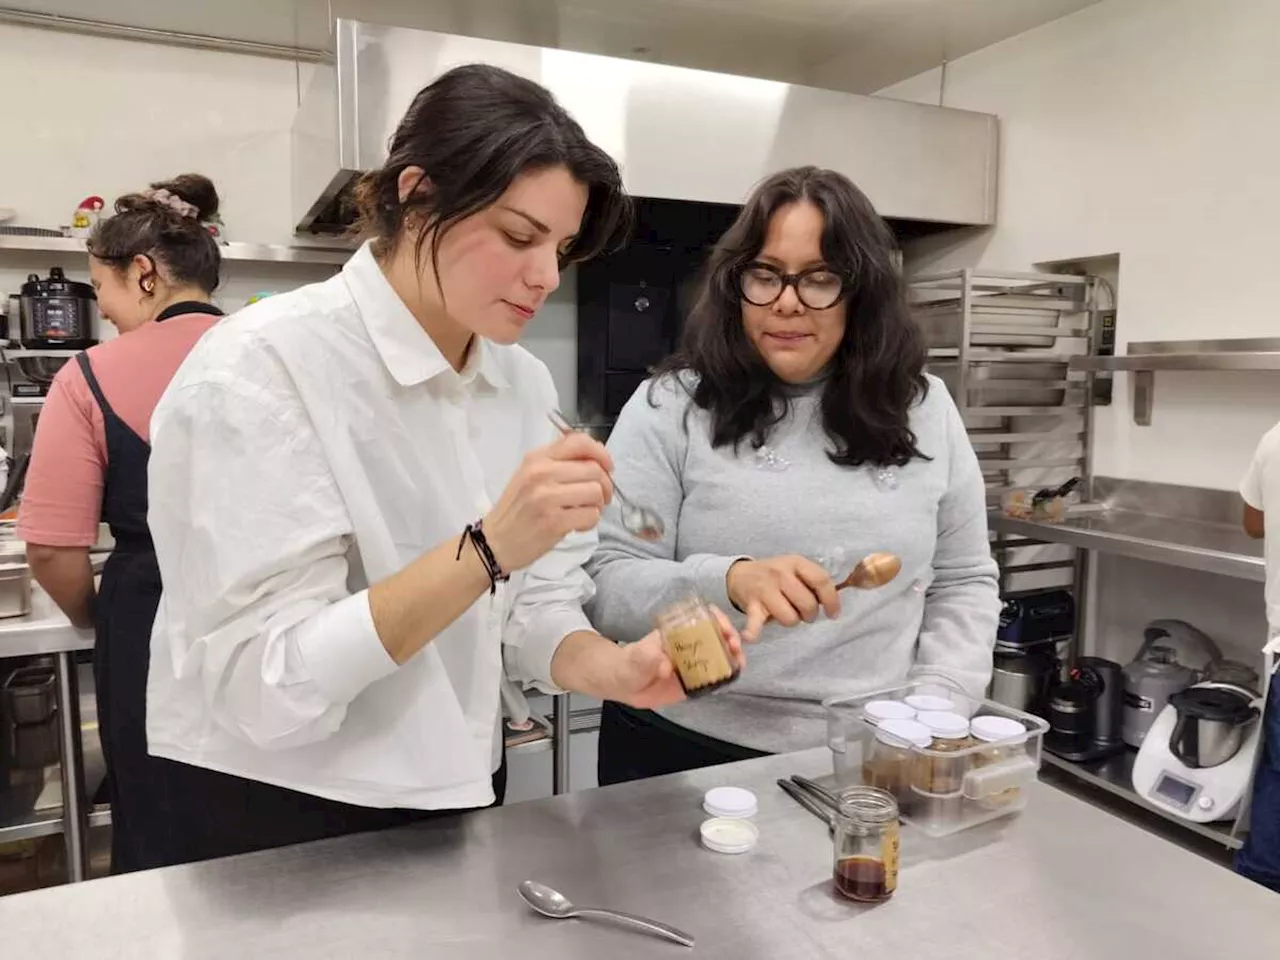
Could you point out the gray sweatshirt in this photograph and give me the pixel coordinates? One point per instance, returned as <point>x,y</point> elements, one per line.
<point>937,618</point>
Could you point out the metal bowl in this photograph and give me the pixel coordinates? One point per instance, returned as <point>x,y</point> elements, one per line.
<point>41,370</point>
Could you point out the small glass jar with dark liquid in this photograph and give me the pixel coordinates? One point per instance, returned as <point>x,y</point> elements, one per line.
<point>696,647</point>
<point>866,844</point>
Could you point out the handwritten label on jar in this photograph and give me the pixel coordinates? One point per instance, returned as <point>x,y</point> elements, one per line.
<point>698,654</point>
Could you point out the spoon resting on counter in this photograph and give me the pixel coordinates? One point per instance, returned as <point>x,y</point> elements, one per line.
<point>554,904</point>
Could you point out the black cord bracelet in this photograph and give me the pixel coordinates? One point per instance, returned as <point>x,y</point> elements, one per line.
<point>475,533</point>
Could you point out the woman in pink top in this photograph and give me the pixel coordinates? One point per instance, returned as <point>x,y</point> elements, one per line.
<point>154,266</point>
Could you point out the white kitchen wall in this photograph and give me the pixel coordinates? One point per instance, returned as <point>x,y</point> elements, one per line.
<point>1145,128</point>
<point>88,115</point>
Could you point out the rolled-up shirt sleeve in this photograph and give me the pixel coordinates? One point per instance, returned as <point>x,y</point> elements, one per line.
<point>552,591</point>
<point>547,608</point>
<point>252,538</point>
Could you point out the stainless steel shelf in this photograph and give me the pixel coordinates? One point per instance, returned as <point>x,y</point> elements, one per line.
<point>1185,361</point>
<point>1192,544</point>
<point>1025,411</point>
<point>1008,568</point>
<point>242,252</point>
<point>1115,776</point>
<point>978,437</point>
<point>981,279</point>
<point>1144,358</point>
<point>47,822</point>
<point>1021,330</point>
<point>1260,353</point>
<point>990,463</point>
<point>21,353</point>
<point>988,356</point>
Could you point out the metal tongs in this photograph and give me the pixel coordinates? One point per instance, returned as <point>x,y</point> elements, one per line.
<point>814,797</point>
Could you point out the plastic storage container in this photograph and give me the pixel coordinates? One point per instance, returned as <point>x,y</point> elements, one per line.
<point>990,775</point>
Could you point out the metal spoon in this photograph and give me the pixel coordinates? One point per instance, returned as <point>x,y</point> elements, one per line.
<point>640,521</point>
<point>552,903</point>
<point>873,570</point>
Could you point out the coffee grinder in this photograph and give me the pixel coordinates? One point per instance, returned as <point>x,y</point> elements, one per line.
<point>1086,712</point>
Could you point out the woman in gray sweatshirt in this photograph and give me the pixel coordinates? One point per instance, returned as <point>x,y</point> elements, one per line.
<point>794,433</point>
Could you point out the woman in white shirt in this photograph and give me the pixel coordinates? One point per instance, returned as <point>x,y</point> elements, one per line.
<point>344,478</point>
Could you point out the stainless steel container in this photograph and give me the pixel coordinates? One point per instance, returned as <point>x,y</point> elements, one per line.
<point>1007,384</point>
<point>1021,680</point>
<point>29,695</point>
<point>1212,722</point>
<point>35,745</point>
<point>1002,320</point>
<point>15,589</point>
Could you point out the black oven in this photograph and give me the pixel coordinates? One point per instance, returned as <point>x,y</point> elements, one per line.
<point>631,304</point>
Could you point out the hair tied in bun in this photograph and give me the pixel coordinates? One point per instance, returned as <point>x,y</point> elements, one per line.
<point>172,201</point>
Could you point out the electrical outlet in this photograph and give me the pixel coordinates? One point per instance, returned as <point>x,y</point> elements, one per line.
<point>1103,382</point>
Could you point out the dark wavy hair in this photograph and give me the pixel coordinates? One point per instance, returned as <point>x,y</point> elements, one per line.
<point>472,132</point>
<point>181,243</point>
<point>878,369</point>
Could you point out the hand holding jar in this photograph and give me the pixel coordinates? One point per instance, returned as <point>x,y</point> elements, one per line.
<point>694,650</point>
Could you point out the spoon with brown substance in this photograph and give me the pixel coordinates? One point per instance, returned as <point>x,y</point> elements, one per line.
<point>873,570</point>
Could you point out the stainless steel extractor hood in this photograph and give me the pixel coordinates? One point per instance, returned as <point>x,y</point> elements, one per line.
<point>677,133</point>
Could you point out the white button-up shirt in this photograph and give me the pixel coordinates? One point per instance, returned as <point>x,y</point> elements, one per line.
<point>310,445</point>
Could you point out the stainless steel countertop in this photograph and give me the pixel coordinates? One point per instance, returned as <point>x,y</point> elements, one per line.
<point>44,630</point>
<point>1065,881</point>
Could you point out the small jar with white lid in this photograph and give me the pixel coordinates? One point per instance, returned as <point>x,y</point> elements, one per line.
<point>878,711</point>
<point>938,776</point>
<point>1004,755</point>
<point>929,703</point>
<point>892,756</point>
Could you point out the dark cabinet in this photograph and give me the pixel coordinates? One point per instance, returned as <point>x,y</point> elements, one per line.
<point>631,305</point>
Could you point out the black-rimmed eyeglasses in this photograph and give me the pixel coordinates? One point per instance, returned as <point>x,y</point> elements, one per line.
<point>818,288</point>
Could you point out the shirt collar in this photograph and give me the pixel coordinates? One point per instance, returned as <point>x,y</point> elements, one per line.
<point>407,351</point>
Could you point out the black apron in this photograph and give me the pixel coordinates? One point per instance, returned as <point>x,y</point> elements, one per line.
<point>164,812</point>
<point>124,611</point>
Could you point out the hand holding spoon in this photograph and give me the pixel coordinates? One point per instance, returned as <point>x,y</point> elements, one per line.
<point>872,571</point>
<point>638,520</point>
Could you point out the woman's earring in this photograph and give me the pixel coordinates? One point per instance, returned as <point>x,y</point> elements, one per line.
<point>148,287</point>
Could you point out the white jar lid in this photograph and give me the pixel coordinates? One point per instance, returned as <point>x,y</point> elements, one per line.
<point>993,729</point>
<point>923,702</point>
<point>733,803</point>
<point>948,726</point>
<point>895,732</point>
<point>877,711</point>
<point>728,836</point>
